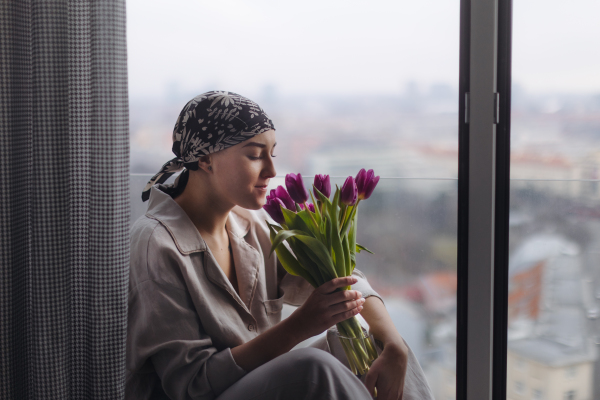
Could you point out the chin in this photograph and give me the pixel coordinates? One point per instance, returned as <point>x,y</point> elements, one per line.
<point>255,204</point>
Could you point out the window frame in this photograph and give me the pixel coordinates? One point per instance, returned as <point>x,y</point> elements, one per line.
<point>483,198</point>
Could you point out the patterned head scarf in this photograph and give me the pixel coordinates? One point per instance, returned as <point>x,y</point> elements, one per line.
<point>208,123</point>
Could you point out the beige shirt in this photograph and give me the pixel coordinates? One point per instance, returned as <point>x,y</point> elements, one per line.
<point>184,315</point>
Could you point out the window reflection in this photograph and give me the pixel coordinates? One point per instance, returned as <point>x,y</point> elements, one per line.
<point>554,220</point>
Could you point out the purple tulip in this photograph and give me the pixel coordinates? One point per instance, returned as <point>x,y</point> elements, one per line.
<point>296,188</point>
<point>284,196</point>
<point>322,185</point>
<point>273,207</point>
<point>365,183</point>
<point>311,206</point>
<point>349,192</point>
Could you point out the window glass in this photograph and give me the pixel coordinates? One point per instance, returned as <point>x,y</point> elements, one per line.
<point>537,394</point>
<point>555,193</point>
<point>348,85</point>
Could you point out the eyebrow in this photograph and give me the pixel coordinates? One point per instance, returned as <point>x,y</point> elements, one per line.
<point>261,145</point>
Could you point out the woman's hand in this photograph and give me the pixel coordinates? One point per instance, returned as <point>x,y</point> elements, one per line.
<point>388,372</point>
<point>325,307</point>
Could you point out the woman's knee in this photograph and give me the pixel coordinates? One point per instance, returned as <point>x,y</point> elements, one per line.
<point>312,357</point>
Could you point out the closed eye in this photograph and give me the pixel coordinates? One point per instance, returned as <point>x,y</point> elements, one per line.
<point>258,158</point>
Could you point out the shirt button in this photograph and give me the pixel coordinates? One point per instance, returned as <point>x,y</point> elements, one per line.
<point>250,327</point>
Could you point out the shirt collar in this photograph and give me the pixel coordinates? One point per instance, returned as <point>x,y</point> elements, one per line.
<point>163,208</point>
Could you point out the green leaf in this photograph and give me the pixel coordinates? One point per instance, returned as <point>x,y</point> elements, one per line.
<point>347,260</point>
<point>334,206</point>
<point>317,252</point>
<point>317,210</point>
<point>336,241</point>
<point>328,228</point>
<point>289,262</point>
<point>309,223</point>
<point>349,216</point>
<point>352,236</point>
<point>292,266</point>
<point>305,261</point>
<point>281,236</point>
<point>295,222</point>
<point>352,242</point>
<point>276,227</point>
<point>323,199</point>
<point>359,248</point>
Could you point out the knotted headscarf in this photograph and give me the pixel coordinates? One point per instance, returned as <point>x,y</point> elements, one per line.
<point>208,123</point>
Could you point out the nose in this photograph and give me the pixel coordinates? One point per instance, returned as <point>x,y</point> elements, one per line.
<point>269,171</point>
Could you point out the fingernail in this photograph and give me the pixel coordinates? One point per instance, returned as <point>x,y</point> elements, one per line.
<point>359,294</point>
<point>360,308</point>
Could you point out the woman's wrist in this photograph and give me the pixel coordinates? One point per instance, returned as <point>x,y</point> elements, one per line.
<point>382,326</point>
<point>397,347</point>
<point>293,329</point>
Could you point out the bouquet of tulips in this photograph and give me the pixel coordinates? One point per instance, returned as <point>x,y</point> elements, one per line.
<point>322,236</point>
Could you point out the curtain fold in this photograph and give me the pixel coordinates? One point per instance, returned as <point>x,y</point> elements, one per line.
<point>64,199</point>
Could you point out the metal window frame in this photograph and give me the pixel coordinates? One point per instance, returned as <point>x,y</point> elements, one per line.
<point>484,187</point>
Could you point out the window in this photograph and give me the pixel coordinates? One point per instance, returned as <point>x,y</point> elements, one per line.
<point>521,364</point>
<point>537,394</point>
<point>347,86</point>
<point>554,174</point>
<point>341,100</point>
<point>570,395</point>
<point>520,387</point>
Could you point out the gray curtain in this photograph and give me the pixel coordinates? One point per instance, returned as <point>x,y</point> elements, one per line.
<point>64,205</point>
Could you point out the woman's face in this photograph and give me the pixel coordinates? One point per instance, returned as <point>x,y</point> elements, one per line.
<point>242,172</point>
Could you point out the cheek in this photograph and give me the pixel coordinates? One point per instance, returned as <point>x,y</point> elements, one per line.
<point>241,181</point>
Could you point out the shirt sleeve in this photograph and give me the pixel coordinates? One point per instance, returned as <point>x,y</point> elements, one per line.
<point>296,289</point>
<point>163,327</point>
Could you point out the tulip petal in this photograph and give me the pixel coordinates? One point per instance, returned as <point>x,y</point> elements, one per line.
<point>370,187</point>
<point>284,196</point>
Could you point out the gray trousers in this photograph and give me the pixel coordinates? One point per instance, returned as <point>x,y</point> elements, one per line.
<point>320,371</point>
<point>301,374</point>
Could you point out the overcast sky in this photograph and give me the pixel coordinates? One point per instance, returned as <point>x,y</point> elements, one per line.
<point>345,47</point>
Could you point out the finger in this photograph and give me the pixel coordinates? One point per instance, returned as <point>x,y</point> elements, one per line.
<point>346,306</point>
<point>343,296</point>
<point>335,283</point>
<point>346,314</point>
<point>370,381</point>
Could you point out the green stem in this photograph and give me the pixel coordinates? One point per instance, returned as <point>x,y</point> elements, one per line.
<point>359,351</point>
<point>352,361</point>
<point>311,216</point>
<point>347,222</point>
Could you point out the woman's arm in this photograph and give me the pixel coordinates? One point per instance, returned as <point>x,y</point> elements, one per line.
<point>277,340</point>
<point>389,370</point>
<point>322,309</point>
<point>381,325</point>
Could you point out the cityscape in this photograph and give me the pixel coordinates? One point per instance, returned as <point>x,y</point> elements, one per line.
<point>411,141</point>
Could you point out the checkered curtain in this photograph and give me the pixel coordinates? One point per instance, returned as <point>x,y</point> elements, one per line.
<point>64,199</point>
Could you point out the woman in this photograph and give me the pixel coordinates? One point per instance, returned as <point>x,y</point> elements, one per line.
<point>205,297</point>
